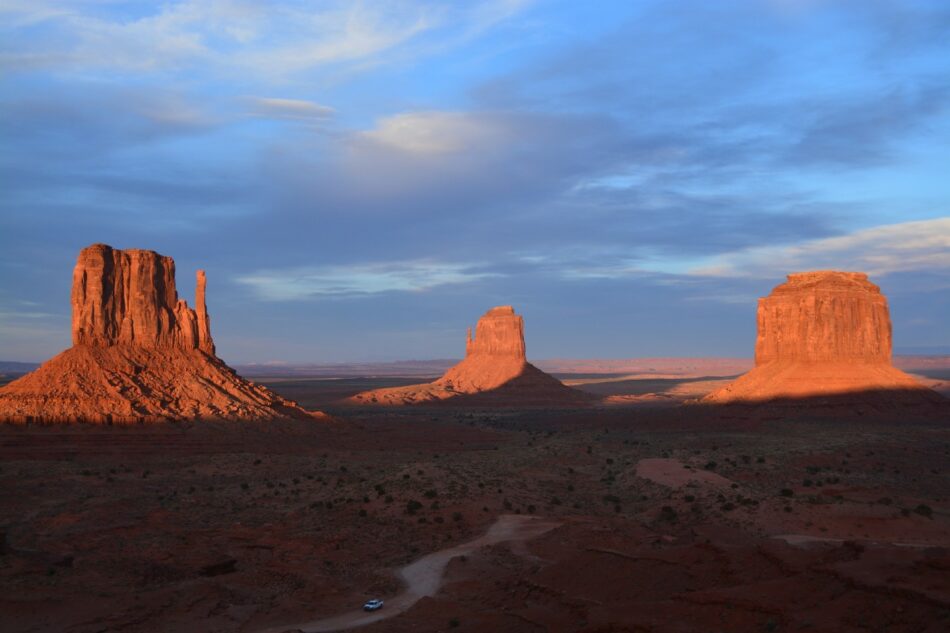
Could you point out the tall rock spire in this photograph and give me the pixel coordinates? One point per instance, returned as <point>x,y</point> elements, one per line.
<point>205,343</point>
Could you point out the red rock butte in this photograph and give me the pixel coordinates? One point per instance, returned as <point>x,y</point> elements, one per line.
<point>495,371</point>
<point>820,334</point>
<point>139,354</point>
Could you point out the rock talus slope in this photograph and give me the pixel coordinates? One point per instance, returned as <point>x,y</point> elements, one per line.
<point>823,334</point>
<point>495,371</point>
<point>139,354</point>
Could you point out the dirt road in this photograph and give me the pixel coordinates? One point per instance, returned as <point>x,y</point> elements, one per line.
<point>424,576</point>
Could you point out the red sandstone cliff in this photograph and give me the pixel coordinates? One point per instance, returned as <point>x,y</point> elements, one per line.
<point>494,371</point>
<point>823,334</point>
<point>139,354</point>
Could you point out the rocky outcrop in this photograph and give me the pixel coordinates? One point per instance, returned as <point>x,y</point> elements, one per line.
<point>824,316</point>
<point>139,354</point>
<point>494,372</point>
<point>499,333</point>
<point>824,336</point>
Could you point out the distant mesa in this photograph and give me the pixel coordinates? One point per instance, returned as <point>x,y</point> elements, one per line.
<point>139,354</point>
<point>825,337</point>
<point>495,372</point>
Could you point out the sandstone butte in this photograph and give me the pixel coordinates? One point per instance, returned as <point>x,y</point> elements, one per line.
<point>824,334</point>
<point>494,372</point>
<point>139,354</point>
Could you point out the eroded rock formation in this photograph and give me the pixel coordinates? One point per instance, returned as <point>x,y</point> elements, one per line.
<point>824,316</point>
<point>495,371</point>
<point>139,354</point>
<point>823,334</point>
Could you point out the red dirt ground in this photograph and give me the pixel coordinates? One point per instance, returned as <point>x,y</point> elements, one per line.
<point>241,527</point>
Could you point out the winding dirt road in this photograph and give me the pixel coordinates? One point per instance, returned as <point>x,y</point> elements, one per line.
<point>424,576</point>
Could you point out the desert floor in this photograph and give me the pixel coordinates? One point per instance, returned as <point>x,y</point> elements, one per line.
<point>667,519</point>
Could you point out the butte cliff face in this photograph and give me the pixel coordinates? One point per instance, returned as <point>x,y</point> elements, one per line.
<point>139,353</point>
<point>823,334</point>
<point>495,371</point>
<point>824,316</point>
<point>128,297</point>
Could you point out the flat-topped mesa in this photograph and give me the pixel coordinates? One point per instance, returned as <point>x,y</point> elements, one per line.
<point>494,369</point>
<point>824,316</point>
<point>499,333</point>
<point>128,297</point>
<point>824,340</point>
<point>139,354</point>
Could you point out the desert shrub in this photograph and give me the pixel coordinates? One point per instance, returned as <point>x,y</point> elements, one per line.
<point>611,499</point>
<point>413,506</point>
<point>924,510</point>
<point>531,509</point>
<point>439,520</point>
<point>244,486</point>
<point>431,493</point>
<point>689,498</point>
<point>807,483</point>
<point>667,513</point>
<point>454,623</point>
<point>787,492</point>
<point>457,516</point>
<point>728,507</point>
<point>710,465</point>
<point>362,512</point>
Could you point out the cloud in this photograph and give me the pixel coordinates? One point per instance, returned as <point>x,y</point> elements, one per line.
<point>272,40</point>
<point>290,109</point>
<point>358,279</point>
<point>437,132</point>
<point>909,246</point>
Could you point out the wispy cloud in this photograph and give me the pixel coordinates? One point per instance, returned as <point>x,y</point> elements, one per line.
<point>290,109</point>
<point>268,39</point>
<point>923,245</point>
<point>436,132</point>
<point>358,279</point>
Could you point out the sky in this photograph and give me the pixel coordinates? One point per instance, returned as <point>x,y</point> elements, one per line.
<point>362,180</point>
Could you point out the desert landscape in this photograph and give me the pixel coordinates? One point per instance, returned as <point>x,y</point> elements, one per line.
<point>497,497</point>
<point>495,316</point>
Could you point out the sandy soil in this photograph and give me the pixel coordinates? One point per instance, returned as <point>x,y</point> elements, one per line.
<point>423,577</point>
<point>675,474</point>
<point>245,527</point>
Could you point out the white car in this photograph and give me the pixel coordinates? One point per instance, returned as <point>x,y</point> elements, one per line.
<point>373,605</point>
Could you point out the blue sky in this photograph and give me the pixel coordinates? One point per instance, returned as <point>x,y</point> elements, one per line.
<point>362,180</point>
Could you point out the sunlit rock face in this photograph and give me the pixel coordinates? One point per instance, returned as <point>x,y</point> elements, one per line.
<point>824,316</point>
<point>139,354</point>
<point>499,333</point>
<point>128,297</point>
<point>495,369</point>
<point>822,333</point>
